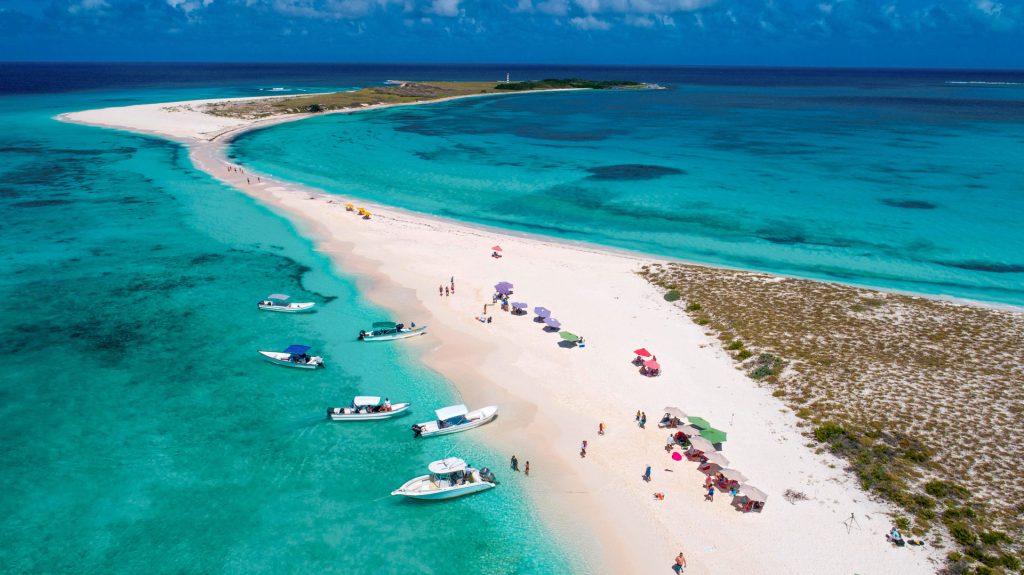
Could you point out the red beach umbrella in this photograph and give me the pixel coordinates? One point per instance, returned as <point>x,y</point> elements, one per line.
<point>676,456</point>
<point>496,248</point>
<point>651,364</point>
<point>642,352</point>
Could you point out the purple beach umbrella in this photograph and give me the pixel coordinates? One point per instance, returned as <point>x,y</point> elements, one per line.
<point>519,305</point>
<point>503,287</point>
<point>542,312</point>
<point>552,323</point>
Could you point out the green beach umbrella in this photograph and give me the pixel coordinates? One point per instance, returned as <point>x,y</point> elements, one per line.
<point>698,421</point>
<point>571,337</point>
<point>713,435</point>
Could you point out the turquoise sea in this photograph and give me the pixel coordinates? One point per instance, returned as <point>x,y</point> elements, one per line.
<point>140,431</point>
<point>902,180</point>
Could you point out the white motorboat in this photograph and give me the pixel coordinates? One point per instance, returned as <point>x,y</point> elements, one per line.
<point>389,330</point>
<point>448,478</point>
<point>453,419</point>
<point>279,302</point>
<point>367,407</point>
<point>293,356</point>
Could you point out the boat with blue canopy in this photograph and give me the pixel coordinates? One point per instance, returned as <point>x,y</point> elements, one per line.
<point>453,419</point>
<point>389,330</point>
<point>279,302</point>
<point>294,355</point>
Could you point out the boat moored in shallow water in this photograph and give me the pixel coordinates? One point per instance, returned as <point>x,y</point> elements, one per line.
<point>453,419</point>
<point>389,330</point>
<point>279,302</point>
<point>367,407</point>
<point>448,478</point>
<point>293,356</point>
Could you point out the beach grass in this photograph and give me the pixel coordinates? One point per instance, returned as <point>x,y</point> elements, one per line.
<point>923,398</point>
<point>399,93</point>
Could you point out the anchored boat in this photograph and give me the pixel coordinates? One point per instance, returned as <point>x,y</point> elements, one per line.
<point>448,478</point>
<point>453,419</point>
<point>279,302</point>
<point>389,330</point>
<point>294,356</point>
<point>367,407</point>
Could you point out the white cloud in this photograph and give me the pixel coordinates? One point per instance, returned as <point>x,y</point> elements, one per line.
<point>445,7</point>
<point>589,22</point>
<point>188,6</point>
<point>989,7</point>
<point>638,21</point>
<point>523,6</point>
<point>554,7</point>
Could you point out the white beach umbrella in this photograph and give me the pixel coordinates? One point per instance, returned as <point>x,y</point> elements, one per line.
<point>733,475</point>
<point>701,444</point>
<point>717,458</point>
<point>753,493</point>
<point>690,430</point>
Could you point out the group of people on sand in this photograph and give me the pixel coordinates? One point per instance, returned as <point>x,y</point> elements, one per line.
<point>241,171</point>
<point>515,466</point>
<point>641,419</point>
<point>443,290</point>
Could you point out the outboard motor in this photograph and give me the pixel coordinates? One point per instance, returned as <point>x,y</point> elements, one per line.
<point>400,327</point>
<point>362,333</point>
<point>416,430</point>
<point>487,476</point>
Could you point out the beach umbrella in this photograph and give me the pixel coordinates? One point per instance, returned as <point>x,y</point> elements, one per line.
<point>642,352</point>
<point>733,475</point>
<point>570,337</point>
<point>689,430</point>
<point>552,323</point>
<point>717,458</point>
<point>675,412</point>
<point>503,287</point>
<point>676,456</point>
<point>753,493</point>
<point>542,312</point>
<point>713,435</point>
<point>701,444</point>
<point>519,305</point>
<point>698,422</point>
<point>496,248</point>
<point>651,364</point>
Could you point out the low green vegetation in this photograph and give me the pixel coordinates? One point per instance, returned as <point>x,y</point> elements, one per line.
<point>880,380</point>
<point>567,83</point>
<point>672,295</point>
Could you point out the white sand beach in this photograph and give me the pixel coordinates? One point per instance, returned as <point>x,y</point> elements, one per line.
<point>553,397</point>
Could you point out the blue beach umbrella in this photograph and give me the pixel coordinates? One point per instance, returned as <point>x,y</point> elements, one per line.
<point>519,305</point>
<point>542,312</point>
<point>503,288</point>
<point>552,323</point>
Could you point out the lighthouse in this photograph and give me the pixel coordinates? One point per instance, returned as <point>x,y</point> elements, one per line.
<point>507,77</point>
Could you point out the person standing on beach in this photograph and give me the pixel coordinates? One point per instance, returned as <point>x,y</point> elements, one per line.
<point>637,415</point>
<point>647,474</point>
<point>515,463</point>
<point>600,428</point>
<point>527,469</point>
<point>446,292</point>
<point>440,291</point>
<point>680,563</point>
<point>711,494</point>
<point>583,449</point>
<point>643,420</point>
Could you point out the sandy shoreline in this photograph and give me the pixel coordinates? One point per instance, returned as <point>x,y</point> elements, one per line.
<point>552,397</point>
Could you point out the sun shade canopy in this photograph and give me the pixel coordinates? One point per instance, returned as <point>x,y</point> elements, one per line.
<point>296,349</point>
<point>278,296</point>
<point>552,322</point>
<point>701,444</point>
<point>449,465</point>
<point>698,422</point>
<point>446,413</point>
<point>713,435</point>
<point>753,493</point>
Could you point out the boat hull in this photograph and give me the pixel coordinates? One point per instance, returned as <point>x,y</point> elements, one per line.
<point>476,419</point>
<point>411,490</point>
<point>278,358</point>
<point>396,410</point>
<point>421,330</point>
<point>290,308</point>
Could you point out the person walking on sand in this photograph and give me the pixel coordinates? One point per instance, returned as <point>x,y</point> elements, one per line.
<point>647,474</point>
<point>446,292</point>
<point>680,563</point>
<point>711,494</point>
<point>637,415</point>
<point>440,290</point>
<point>643,420</point>
<point>583,449</point>
<point>515,463</point>
<point>600,428</point>
<point>527,469</point>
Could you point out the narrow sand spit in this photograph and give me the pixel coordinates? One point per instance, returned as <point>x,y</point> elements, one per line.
<point>553,397</point>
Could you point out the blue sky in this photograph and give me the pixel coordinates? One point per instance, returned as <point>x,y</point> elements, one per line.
<point>885,33</point>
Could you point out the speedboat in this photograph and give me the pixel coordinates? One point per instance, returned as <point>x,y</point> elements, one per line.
<point>279,302</point>
<point>448,478</point>
<point>389,330</point>
<point>453,419</point>
<point>366,407</point>
<point>294,356</point>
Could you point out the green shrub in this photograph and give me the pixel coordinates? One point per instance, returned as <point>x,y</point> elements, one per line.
<point>734,345</point>
<point>694,306</point>
<point>672,295</point>
<point>702,320</point>
<point>829,432</point>
<point>744,354</point>
<point>945,490</point>
<point>315,108</point>
<point>962,533</point>
<point>995,538</point>
<point>902,523</point>
<point>1011,562</point>
<point>761,372</point>
<point>777,392</point>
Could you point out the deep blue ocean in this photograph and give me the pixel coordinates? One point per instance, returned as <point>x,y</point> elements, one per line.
<point>141,431</point>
